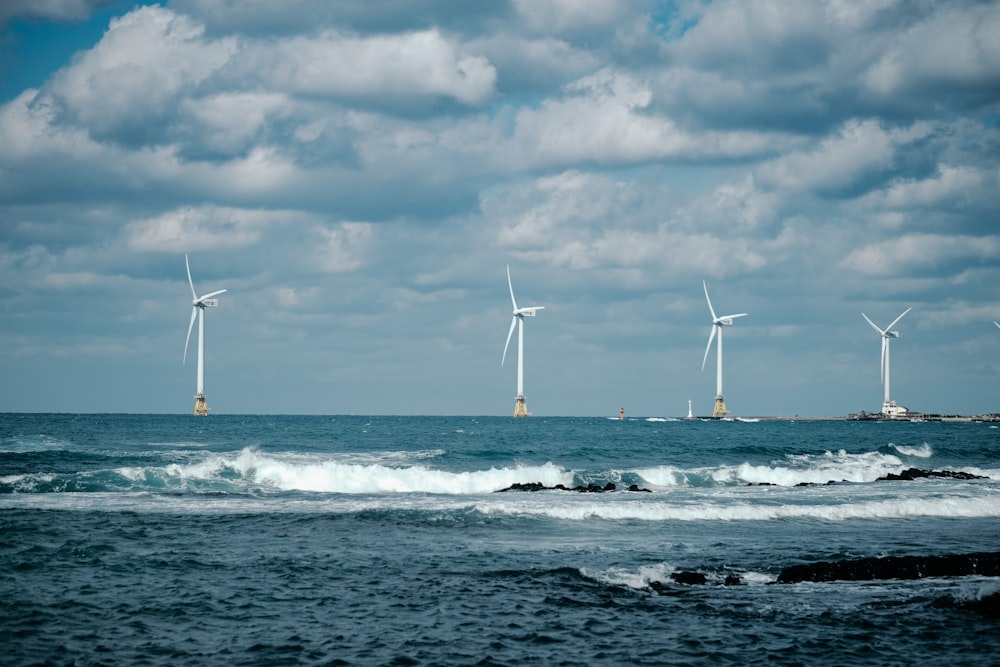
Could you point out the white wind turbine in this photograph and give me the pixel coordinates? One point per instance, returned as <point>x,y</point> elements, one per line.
<point>520,409</point>
<point>199,304</point>
<point>889,407</point>
<point>717,324</point>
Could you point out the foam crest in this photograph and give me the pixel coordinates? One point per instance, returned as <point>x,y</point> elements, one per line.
<point>637,579</point>
<point>297,473</point>
<point>963,506</point>
<point>922,452</point>
<point>34,443</point>
<point>794,470</point>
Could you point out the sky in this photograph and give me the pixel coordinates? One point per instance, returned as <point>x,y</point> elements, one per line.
<point>358,176</point>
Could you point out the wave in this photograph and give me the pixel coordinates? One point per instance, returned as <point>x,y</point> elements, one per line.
<point>923,452</point>
<point>898,508</point>
<point>35,443</point>
<point>796,469</point>
<point>254,471</point>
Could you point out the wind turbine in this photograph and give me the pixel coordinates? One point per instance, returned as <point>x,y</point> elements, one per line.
<point>199,304</point>
<point>520,409</point>
<point>717,324</point>
<point>889,407</point>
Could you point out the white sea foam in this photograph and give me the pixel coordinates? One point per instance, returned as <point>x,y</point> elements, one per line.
<point>956,506</point>
<point>632,578</point>
<point>924,451</point>
<point>806,469</point>
<point>297,473</point>
<point>34,443</point>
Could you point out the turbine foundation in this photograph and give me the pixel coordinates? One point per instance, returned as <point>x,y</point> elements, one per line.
<point>520,408</point>
<point>200,407</point>
<point>720,407</point>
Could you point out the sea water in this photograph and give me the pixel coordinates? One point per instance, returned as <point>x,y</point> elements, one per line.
<point>271,540</point>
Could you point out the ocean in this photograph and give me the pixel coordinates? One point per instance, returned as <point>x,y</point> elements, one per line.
<point>352,540</point>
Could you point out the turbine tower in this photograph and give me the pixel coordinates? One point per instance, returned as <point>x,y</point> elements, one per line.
<point>199,304</point>
<point>717,323</point>
<point>520,409</point>
<point>889,407</point>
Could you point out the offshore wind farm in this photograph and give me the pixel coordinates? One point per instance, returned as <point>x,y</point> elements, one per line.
<point>890,409</point>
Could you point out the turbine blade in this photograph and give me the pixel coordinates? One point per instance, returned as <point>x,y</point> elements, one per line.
<point>711,337</point>
<point>710,309</point>
<point>899,318</point>
<point>996,323</point>
<point>194,315</point>
<point>190,282</point>
<point>511,288</point>
<point>729,317</point>
<point>513,323</point>
<point>880,332</point>
<point>211,294</point>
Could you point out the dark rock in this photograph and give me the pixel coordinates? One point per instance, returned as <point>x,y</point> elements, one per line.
<point>590,488</point>
<point>988,605</point>
<point>733,580</point>
<point>895,567</point>
<point>915,473</point>
<point>692,578</point>
<point>529,486</point>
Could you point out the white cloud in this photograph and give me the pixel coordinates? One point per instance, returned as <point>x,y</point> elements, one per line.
<point>197,228</point>
<point>859,149</point>
<point>920,252</point>
<point>343,247</point>
<point>146,60</point>
<point>60,10</point>
<point>951,186</point>
<point>955,45</point>
<point>384,66</point>
<point>560,16</point>
<point>228,121</point>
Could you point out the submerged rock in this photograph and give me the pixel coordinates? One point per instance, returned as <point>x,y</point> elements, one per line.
<point>916,473</point>
<point>692,578</point>
<point>590,488</point>
<point>894,567</point>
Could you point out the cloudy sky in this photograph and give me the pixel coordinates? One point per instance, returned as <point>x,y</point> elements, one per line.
<point>359,175</point>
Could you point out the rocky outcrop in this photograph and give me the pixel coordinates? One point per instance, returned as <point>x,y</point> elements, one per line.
<point>590,488</point>
<point>916,473</point>
<point>894,567</point>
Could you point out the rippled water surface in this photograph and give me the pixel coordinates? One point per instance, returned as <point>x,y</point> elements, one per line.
<point>166,540</point>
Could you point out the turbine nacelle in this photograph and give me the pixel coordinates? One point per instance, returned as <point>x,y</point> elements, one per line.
<point>727,320</point>
<point>528,312</point>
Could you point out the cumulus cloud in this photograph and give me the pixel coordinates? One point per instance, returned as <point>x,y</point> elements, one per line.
<point>202,228</point>
<point>562,16</point>
<point>380,67</point>
<point>370,161</point>
<point>59,10</point>
<point>343,247</point>
<point>920,253</point>
<point>952,48</point>
<point>859,150</point>
<point>133,77</point>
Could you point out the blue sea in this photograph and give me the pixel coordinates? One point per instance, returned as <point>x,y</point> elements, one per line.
<point>351,540</point>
